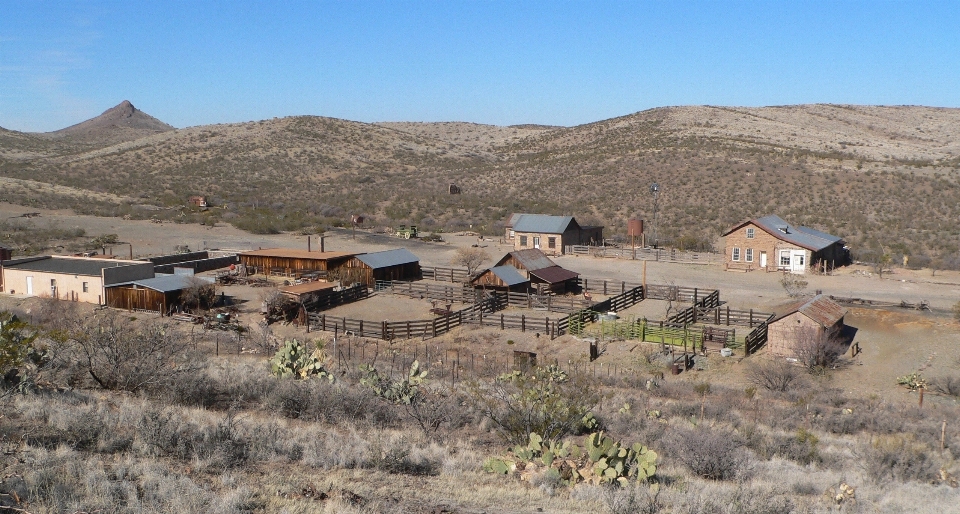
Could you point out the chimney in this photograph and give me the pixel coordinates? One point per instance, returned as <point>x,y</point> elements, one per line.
<point>308,243</point>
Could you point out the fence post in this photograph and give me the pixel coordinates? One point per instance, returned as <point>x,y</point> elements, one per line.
<point>751,318</point>
<point>623,286</point>
<point>728,315</point>
<point>383,331</point>
<point>605,287</point>
<point>361,327</point>
<point>523,323</point>
<point>501,321</point>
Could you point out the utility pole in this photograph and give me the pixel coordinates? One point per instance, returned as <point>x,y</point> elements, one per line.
<point>655,191</point>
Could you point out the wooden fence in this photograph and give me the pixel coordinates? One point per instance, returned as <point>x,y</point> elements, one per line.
<point>755,339</point>
<point>325,301</point>
<point>450,294</point>
<point>522,322</point>
<point>646,254</point>
<point>445,274</point>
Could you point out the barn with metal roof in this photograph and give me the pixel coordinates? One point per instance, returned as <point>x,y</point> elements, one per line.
<point>388,265</point>
<point>549,233</point>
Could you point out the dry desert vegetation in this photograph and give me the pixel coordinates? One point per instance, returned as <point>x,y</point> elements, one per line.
<point>112,411</point>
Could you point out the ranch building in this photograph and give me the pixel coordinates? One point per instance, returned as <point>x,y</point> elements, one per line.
<point>290,262</point>
<point>543,273</point>
<point>804,323</point>
<point>501,278</point>
<point>79,279</point>
<point>161,294</point>
<point>389,265</point>
<point>771,244</point>
<point>549,233</point>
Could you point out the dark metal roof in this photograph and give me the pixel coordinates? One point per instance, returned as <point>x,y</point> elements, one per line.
<point>509,275</point>
<point>388,258</point>
<point>67,265</point>
<point>821,309</point>
<point>530,259</point>
<point>512,219</point>
<point>804,237</point>
<point>543,223</point>
<point>554,274</point>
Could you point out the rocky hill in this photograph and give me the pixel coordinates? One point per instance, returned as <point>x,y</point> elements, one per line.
<point>885,178</point>
<point>123,122</point>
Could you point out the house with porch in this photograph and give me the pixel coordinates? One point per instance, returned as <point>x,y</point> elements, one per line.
<point>771,244</point>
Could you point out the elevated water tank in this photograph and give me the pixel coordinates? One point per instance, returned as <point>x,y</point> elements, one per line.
<point>635,228</point>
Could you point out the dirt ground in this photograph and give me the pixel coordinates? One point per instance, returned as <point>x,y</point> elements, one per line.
<point>895,342</point>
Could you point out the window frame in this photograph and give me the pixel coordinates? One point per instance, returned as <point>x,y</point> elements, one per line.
<point>523,240</point>
<point>785,253</point>
<point>751,232</point>
<point>748,255</point>
<point>735,254</point>
<point>552,243</point>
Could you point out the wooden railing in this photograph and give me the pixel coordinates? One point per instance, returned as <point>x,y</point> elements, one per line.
<point>646,254</point>
<point>441,274</point>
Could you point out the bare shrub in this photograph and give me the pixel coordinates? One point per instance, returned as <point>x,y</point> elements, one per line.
<point>899,457</point>
<point>817,351</point>
<point>794,285</point>
<point>710,454</point>
<point>119,355</point>
<point>947,384</point>
<point>774,375</point>
<point>470,258</point>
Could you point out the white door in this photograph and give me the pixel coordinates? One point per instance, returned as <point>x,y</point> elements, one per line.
<point>29,285</point>
<point>536,242</point>
<point>763,259</point>
<point>797,261</point>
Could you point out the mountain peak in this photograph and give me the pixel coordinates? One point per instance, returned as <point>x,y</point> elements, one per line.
<point>122,121</point>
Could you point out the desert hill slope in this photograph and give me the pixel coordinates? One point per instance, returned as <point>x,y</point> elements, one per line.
<point>122,122</point>
<point>885,178</point>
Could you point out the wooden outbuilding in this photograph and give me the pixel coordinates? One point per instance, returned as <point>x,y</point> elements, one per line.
<point>78,279</point>
<point>805,323</point>
<point>501,278</point>
<point>159,294</point>
<point>389,265</point>
<point>549,233</point>
<point>543,273</point>
<point>292,262</point>
<point>771,244</point>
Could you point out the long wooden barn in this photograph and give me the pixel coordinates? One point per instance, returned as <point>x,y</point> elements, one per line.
<point>160,294</point>
<point>368,268</point>
<point>291,262</point>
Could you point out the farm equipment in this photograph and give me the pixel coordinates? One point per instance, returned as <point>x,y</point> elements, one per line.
<point>407,233</point>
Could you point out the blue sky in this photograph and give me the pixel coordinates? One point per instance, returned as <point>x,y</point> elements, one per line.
<point>562,63</point>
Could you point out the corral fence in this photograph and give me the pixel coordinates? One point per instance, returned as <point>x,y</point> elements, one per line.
<point>441,274</point>
<point>328,300</point>
<point>646,254</point>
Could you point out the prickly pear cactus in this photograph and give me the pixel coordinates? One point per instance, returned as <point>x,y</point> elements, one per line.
<point>601,460</point>
<point>295,360</point>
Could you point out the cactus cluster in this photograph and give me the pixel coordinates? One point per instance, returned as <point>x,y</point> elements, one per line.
<point>401,392</point>
<point>601,460</point>
<point>294,359</point>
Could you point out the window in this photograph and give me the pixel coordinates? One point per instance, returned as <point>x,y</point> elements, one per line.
<point>785,258</point>
<point>750,233</point>
<point>53,282</point>
<point>748,255</point>
<point>523,240</point>
<point>736,254</point>
<point>511,234</point>
<point>86,289</point>
<point>551,242</point>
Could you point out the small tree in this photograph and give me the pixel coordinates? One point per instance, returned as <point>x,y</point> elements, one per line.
<point>884,262</point>
<point>777,375</point>
<point>470,258</point>
<point>199,293</point>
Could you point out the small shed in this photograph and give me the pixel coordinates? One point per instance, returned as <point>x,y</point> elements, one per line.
<point>501,278</point>
<point>293,262</point>
<point>158,294</point>
<point>808,322</point>
<point>543,272</point>
<point>389,265</point>
<point>197,201</point>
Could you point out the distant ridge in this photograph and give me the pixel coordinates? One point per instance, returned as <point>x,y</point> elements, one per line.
<point>124,122</point>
